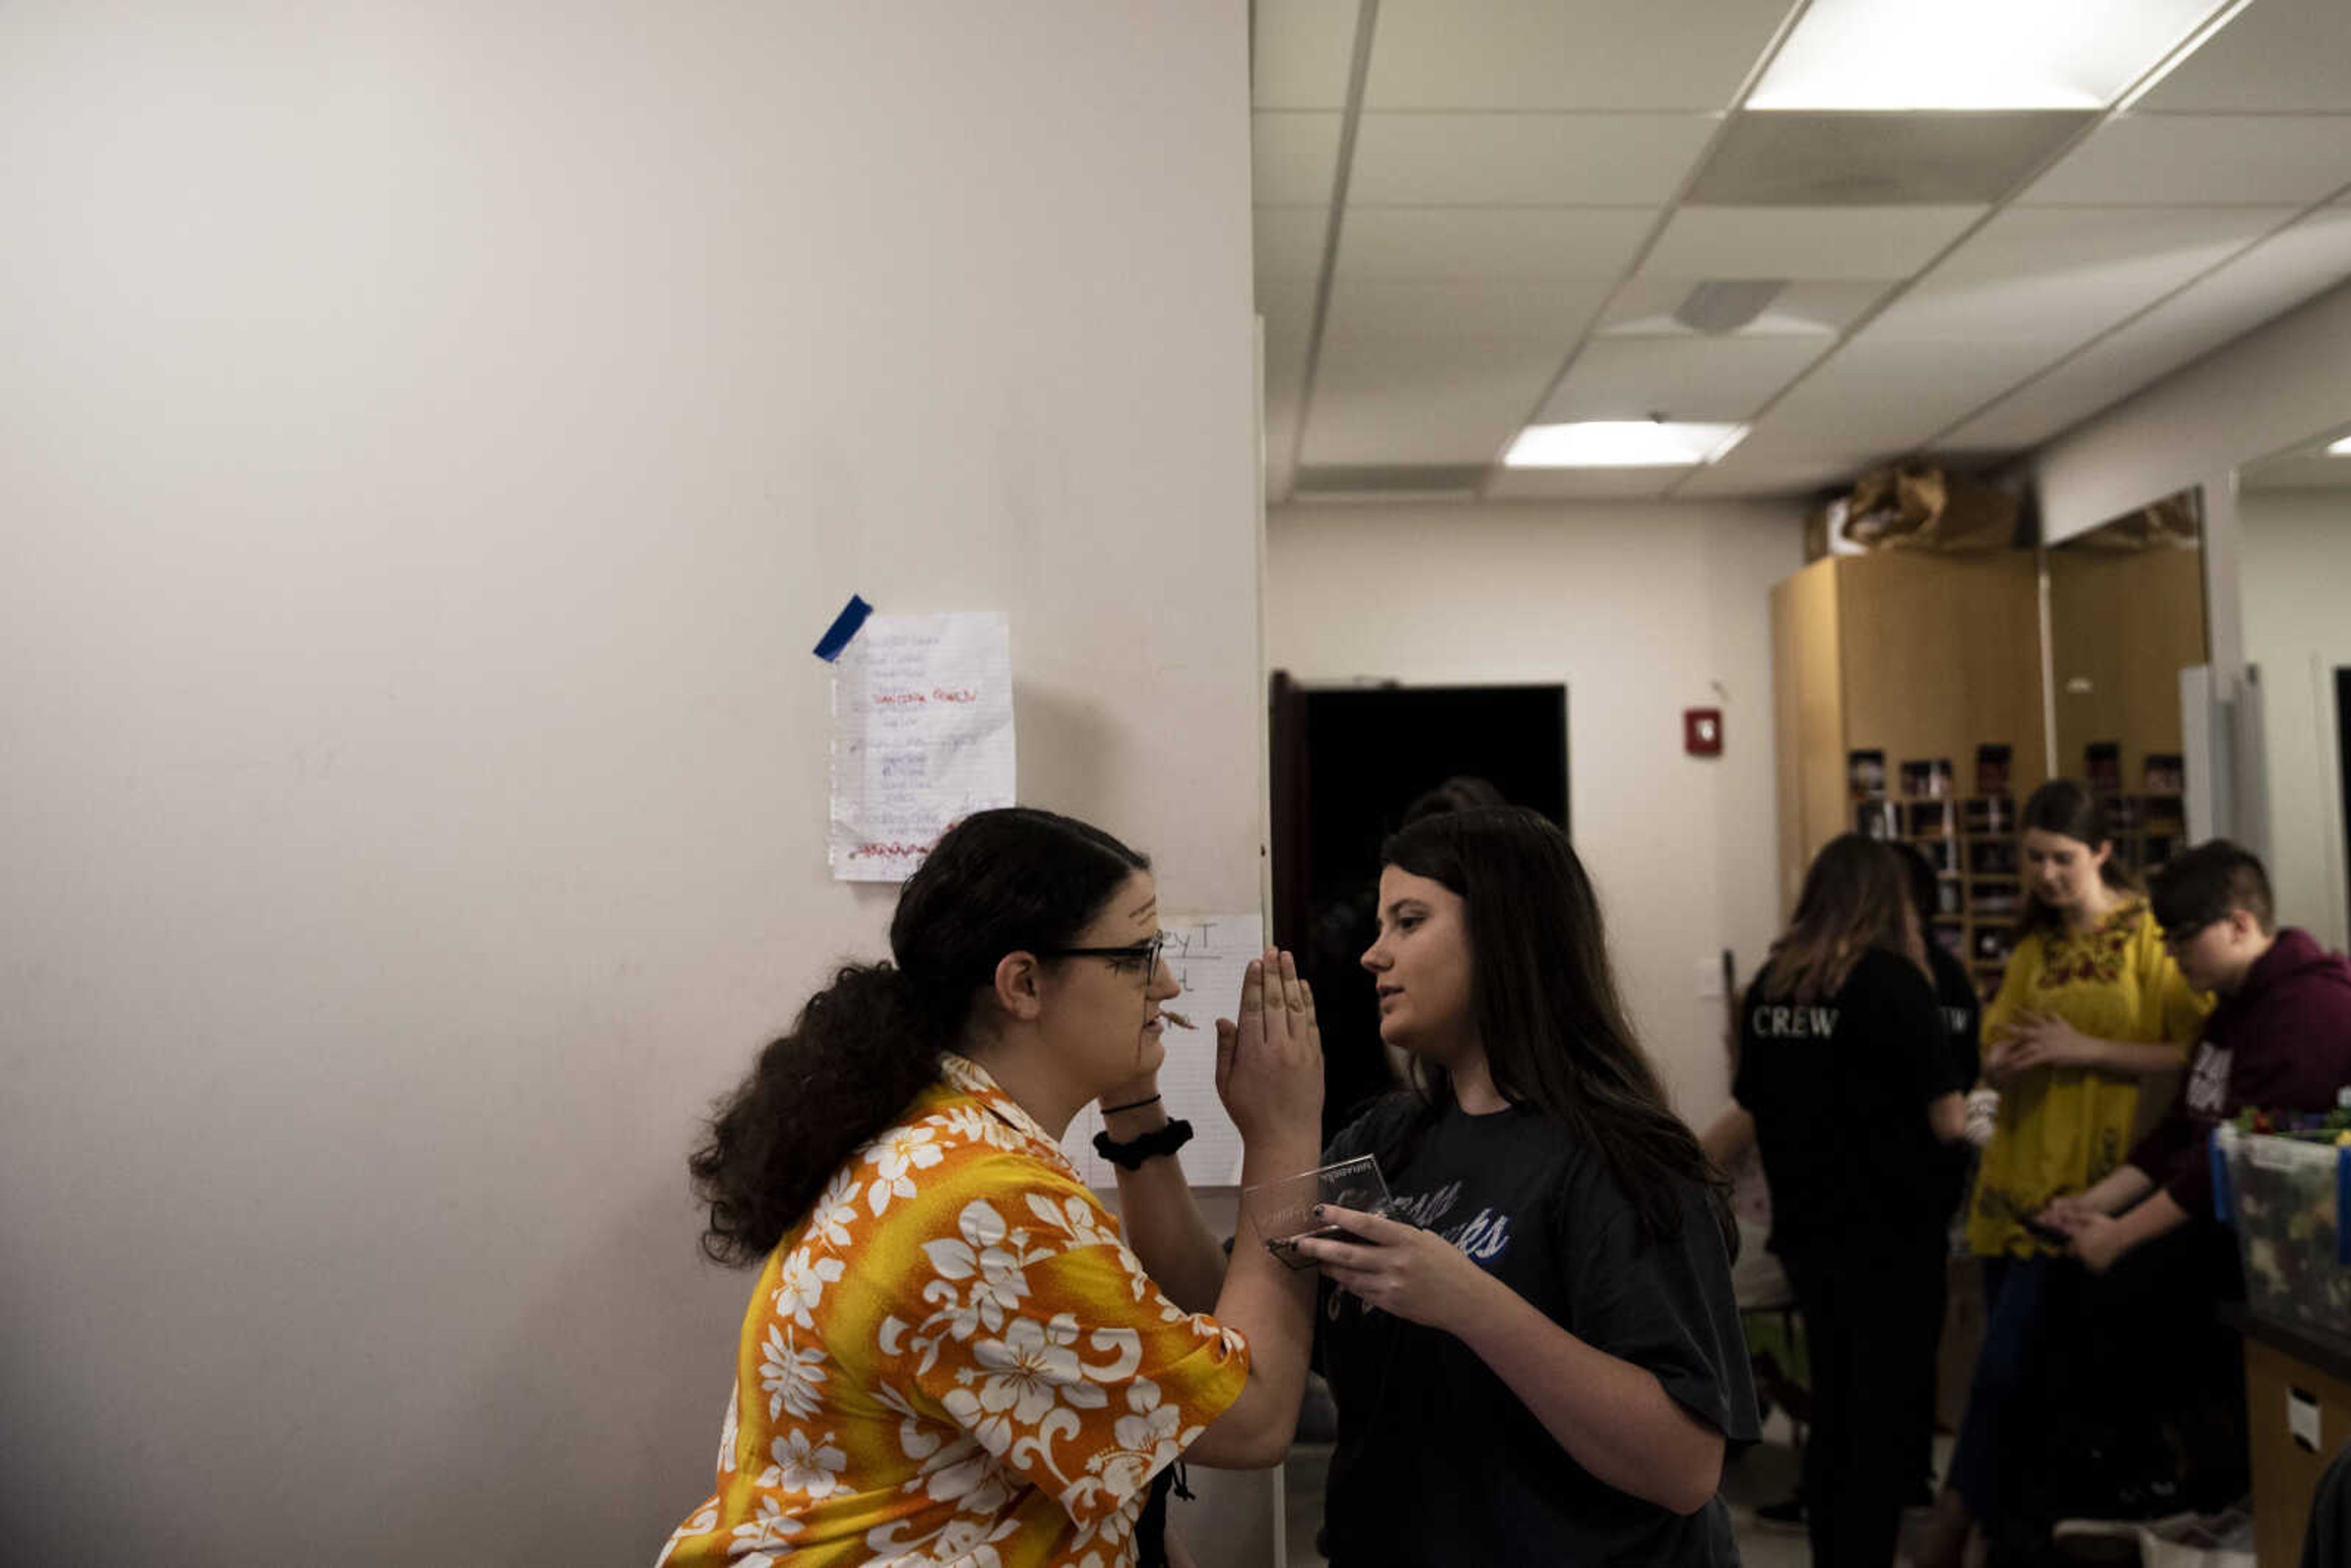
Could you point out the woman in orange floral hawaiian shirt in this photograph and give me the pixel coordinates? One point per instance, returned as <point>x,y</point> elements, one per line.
<point>953,1355</point>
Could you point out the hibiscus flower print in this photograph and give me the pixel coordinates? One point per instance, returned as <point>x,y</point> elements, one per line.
<point>835,1211</point>
<point>809,1466</point>
<point>994,1257</point>
<point>799,1285</point>
<point>794,1377</point>
<point>1031,1368</point>
<point>767,1526</point>
<point>1150,1423</point>
<point>896,1157</point>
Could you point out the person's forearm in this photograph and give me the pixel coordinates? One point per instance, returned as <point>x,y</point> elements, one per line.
<point>1162,1219</point>
<point>1271,1306</point>
<point>2159,1216</point>
<point>2126,1186</point>
<point>2130,1061</point>
<point>1614,1418</point>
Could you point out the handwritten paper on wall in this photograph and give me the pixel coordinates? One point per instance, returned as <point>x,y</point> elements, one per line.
<point>1207,954</point>
<point>921,737</point>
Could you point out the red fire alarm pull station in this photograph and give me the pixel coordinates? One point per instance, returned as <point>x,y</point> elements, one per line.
<point>1702,731</point>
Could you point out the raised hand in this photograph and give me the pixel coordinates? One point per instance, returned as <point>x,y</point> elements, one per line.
<point>1270,1060</point>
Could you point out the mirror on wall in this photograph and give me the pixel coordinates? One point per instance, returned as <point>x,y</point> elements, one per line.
<point>2294,577</point>
<point>2125,616</point>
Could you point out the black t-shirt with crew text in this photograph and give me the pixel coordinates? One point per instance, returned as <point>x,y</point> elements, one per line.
<point>1437,1461</point>
<point>1962,1010</point>
<point>1839,1089</point>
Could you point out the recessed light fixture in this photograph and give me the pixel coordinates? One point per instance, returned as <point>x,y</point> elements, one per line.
<point>1986,55</point>
<point>2339,448</point>
<point>1621,443</point>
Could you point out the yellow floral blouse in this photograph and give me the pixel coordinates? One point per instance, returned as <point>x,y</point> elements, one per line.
<point>2063,1128</point>
<point>955,1359</point>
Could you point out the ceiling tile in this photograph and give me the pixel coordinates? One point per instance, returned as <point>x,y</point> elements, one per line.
<point>2247,160</point>
<point>1702,379</point>
<point>1304,52</point>
<point>1541,53</point>
<point>1582,484</point>
<point>1548,314</point>
<point>1293,158</point>
<point>2276,275</point>
<point>2058,276</point>
<point>1404,244</point>
<point>1525,160</point>
<point>1446,400</point>
<point>2280,57</point>
<point>1288,241</point>
<point>1645,305</point>
<point>1879,160</point>
<point>1832,243</point>
<point>1760,473</point>
<point>1891,397</point>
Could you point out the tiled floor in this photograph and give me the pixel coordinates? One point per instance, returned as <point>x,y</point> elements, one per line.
<point>1764,1474</point>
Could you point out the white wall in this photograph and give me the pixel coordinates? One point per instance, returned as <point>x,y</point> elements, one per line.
<point>1641,609</point>
<point>2294,564</point>
<point>2274,386</point>
<point>431,440</point>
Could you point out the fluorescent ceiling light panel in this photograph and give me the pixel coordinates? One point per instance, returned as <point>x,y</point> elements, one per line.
<point>1621,443</point>
<point>1981,55</point>
<point>2339,448</point>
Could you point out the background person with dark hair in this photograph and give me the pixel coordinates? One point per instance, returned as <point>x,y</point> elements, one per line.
<point>1962,1016</point>
<point>2280,1039</point>
<point>2090,1006</point>
<point>1856,1097</point>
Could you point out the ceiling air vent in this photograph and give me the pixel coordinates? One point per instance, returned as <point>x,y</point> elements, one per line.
<point>1726,306</point>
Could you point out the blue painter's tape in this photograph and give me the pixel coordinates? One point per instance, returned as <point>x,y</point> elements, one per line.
<point>846,625</point>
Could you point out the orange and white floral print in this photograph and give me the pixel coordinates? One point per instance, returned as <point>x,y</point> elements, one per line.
<point>956,1360</point>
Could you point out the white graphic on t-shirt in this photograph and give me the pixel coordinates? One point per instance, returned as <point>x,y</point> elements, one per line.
<point>2208,1081</point>
<point>1484,1238</point>
<point>1958,1022</point>
<point>1796,1023</point>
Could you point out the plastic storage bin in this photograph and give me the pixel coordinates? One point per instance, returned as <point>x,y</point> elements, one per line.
<point>2286,1196</point>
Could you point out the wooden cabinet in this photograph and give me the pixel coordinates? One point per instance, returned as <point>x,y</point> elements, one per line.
<point>1917,656</point>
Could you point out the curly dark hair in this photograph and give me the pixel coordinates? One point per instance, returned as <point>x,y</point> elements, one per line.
<point>1000,882</point>
<point>1555,1033</point>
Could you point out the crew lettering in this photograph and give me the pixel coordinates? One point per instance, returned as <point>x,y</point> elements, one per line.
<point>1796,1023</point>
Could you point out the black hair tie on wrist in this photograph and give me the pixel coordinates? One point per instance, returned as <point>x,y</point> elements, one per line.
<point>1130,1154</point>
<point>1130,1105</point>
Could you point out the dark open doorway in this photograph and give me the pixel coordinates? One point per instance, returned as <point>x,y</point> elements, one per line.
<point>1347,763</point>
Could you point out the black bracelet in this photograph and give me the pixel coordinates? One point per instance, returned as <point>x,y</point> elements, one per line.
<point>1130,1155</point>
<point>1131,1106</point>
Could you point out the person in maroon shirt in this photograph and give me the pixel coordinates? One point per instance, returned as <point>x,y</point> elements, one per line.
<point>2161,1389</point>
<point>2279,1040</point>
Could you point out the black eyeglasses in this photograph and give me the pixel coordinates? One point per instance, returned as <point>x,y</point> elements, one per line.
<point>1144,953</point>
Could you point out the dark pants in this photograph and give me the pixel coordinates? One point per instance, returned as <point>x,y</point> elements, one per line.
<point>2081,1377</point>
<point>1872,1316</point>
<point>2016,1318</point>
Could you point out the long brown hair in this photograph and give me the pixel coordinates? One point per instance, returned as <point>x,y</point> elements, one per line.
<point>1557,1039</point>
<point>2067,809</point>
<point>1856,896</point>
